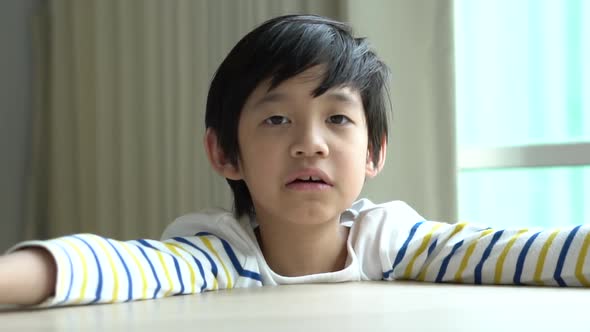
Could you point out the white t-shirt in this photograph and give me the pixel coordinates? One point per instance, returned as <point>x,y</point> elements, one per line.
<point>364,261</point>
<point>212,250</point>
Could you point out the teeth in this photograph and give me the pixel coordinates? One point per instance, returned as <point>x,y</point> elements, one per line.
<point>309,178</point>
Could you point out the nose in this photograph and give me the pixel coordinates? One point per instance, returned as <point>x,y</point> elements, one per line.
<point>309,142</point>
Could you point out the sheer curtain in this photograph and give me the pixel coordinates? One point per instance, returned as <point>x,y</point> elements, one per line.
<point>120,122</point>
<point>416,40</point>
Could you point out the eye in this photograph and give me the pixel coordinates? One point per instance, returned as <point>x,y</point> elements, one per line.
<point>276,120</point>
<point>339,119</point>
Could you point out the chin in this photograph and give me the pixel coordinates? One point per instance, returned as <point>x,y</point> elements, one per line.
<point>314,215</point>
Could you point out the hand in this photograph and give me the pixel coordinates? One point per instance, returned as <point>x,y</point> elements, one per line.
<point>27,276</point>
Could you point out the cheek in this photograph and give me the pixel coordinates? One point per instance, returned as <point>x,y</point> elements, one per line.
<point>360,145</point>
<point>258,161</point>
<point>353,153</point>
<point>360,157</point>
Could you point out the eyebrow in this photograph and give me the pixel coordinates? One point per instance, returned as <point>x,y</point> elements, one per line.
<point>339,96</point>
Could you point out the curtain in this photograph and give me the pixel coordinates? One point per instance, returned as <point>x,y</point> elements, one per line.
<point>416,40</point>
<point>119,141</point>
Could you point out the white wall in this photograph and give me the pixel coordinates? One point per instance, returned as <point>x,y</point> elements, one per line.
<point>15,113</point>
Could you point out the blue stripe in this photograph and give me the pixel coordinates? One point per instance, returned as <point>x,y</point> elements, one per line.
<point>521,258</point>
<point>563,255</point>
<point>158,285</point>
<point>234,259</point>
<point>204,285</point>
<point>176,266</point>
<point>446,260</point>
<point>130,291</point>
<point>485,256</point>
<point>213,266</point>
<point>387,273</point>
<point>71,274</point>
<point>99,285</point>
<point>402,252</point>
<point>199,265</point>
<point>431,248</point>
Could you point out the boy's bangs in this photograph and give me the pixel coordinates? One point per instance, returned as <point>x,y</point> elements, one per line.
<point>294,50</point>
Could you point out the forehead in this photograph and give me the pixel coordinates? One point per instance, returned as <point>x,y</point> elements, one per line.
<point>302,87</point>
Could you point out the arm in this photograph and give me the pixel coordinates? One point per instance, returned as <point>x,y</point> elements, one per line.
<point>27,276</point>
<point>466,253</point>
<point>93,269</point>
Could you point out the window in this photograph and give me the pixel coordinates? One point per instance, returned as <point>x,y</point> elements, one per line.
<point>523,111</point>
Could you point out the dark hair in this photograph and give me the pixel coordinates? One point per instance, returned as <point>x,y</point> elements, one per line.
<point>284,47</point>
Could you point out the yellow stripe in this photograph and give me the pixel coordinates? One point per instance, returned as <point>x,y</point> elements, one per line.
<point>458,227</point>
<point>166,272</point>
<point>139,267</point>
<point>84,269</point>
<point>502,257</point>
<point>580,262</point>
<point>173,249</point>
<point>423,246</point>
<point>113,268</point>
<point>542,256</point>
<point>208,245</point>
<point>468,253</point>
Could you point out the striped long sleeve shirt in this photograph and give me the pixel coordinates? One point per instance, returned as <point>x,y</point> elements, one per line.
<point>212,250</point>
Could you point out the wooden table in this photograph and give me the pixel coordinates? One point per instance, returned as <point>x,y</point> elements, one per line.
<point>366,306</point>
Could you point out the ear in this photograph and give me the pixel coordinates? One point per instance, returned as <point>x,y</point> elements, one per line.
<point>217,158</point>
<point>371,169</point>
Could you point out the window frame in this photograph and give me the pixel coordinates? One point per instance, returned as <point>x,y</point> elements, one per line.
<point>539,155</point>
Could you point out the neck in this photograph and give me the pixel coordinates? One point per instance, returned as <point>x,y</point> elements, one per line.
<point>295,250</point>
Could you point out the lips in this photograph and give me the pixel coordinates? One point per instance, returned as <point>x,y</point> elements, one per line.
<point>309,176</point>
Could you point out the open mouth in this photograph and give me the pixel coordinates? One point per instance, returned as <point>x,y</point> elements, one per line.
<point>308,183</point>
<point>309,179</point>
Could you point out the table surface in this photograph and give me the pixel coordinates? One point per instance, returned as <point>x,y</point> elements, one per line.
<point>357,306</point>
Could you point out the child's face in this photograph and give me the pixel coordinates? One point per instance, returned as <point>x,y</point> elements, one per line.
<point>286,134</point>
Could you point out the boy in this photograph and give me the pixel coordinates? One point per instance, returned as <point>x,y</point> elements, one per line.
<point>296,121</point>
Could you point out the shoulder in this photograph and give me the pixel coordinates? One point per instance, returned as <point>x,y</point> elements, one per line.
<point>390,220</point>
<point>376,229</point>
<point>389,212</point>
<point>218,222</point>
